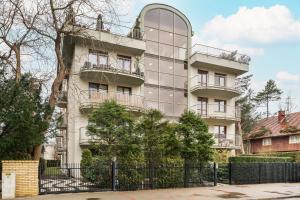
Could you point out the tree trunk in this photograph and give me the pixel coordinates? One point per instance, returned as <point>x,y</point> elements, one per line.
<point>18,63</point>
<point>62,71</point>
<point>267,107</point>
<point>241,134</point>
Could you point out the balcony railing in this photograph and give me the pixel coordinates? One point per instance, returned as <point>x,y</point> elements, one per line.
<point>197,82</point>
<point>108,27</point>
<point>213,111</point>
<point>221,53</point>
<point>90,99</point>
<point>137,72</point>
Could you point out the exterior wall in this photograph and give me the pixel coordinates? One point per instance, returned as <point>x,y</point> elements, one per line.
<point>49,152</point>
<point>279,144</point>
<point>27,182</point>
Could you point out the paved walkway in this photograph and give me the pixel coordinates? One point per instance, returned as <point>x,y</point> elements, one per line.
<point>260,192</point>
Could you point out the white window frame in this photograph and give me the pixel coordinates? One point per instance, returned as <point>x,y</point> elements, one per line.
<point>294,139</point>
<point>267,141</point>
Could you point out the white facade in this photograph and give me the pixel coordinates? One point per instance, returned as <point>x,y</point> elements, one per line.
<point>152,67</point>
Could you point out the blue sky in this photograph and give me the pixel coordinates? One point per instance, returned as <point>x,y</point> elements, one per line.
<point>268,31</point>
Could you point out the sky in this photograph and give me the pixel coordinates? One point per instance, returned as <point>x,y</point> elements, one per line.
<point>266,30</point>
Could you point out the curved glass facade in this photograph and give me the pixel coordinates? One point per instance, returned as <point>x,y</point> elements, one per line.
<point>165,61</point>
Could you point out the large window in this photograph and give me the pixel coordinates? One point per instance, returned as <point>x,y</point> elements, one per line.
<point>95,89</point>
<point>166,20</point>
<point>267,141</point>
<point>220,80</point>
<point>124,63</point>
<point>202,106</point>
<point>202,77</point>
<point>220,132</point>
<point>166,37</point>
<point>151,63</point>
<point>124,90</point>
<point>294,139</point>
<point>98,58</point>
<point>151,34</point>
<point>220,105</point>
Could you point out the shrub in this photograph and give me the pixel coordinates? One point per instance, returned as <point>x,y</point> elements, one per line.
<point>294,155</point>
<point>259,159</point>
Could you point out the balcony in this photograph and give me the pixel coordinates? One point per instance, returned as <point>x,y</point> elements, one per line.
<point>84,138</point>
<point>62,99</point>
<point>207,89</point>
<point>219,59</point>
<point>109,74</point>
<point>210,114</point>
<point>107,35</point>
<point>224,143</point>
<point>62,121</point>
<point>92,99</point>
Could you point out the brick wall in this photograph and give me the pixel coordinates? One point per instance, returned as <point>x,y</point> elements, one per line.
<point>27,183</point>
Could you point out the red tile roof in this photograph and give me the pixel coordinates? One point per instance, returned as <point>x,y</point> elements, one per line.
<point>271,127</point>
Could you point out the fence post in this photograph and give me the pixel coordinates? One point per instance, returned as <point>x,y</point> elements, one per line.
<point>229,173</point>
<point>215,174</point>
<point>113,176</point>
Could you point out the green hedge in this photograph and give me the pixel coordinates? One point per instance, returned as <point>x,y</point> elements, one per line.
<point>294,155</point>
<point>259,159</point>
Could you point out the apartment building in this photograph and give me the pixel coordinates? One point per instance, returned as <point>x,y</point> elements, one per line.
<point>152,65</point>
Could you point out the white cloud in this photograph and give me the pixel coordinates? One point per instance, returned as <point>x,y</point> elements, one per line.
<point>259,25</point>
<point>286,76</point>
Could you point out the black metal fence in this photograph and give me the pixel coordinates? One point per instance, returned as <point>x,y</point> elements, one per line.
<point>75,178</point>
<point>255,173</point>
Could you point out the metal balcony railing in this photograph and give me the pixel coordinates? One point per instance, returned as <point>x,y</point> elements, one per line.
<point>217,111</point>
<point>197,82</point>
<point>221,53</point>
<point>136,72</point>
<point>109,27</point>
<point>90,98</point>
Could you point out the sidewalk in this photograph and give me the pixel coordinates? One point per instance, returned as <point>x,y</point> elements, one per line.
<point>261,192</point>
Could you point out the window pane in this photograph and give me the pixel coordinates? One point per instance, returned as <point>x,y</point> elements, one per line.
<point>166,108</point>
<point>152,47</point>
<point>151,93</point>
<point>180,26</point>
<point>166,80</point>
<point>93,58</point>
<point>166,37</point>
<point>166,20</point>
<point>151,77</point>
<point>103,59</point>
<point>151,104</point>
<point>119,63</point>
<point>151,64</point>
<point>127,65</point>
<point>179,69</point>
<point>180,53</point>
<point>152,18</point>
<point>180,41</point>
<point>166,50</point>
<point>151,34</point>
<point>180,98</point>
<point>166,95</point>
<point>180,82</point>
<point>166,66</point>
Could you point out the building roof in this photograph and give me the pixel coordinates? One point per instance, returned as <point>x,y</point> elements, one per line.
<point>271,127</point>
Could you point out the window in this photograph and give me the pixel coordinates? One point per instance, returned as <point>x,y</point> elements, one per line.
<point>166,95</point>
<point>202,77</point>
<point>220,80</point>
<point>98,58</point>
<point>152,18</point>
<point>95,89</point>
<point>220,131</point>
<point>124,63</point>
<point>202,106</point>
<point>267,141</point>
<point>124,90</point>
<point>180,26</point>
<point>151,64</point>
<point>294,139</point>
<point>166,66</point>
<point>220,105</point>
<point>152,47</point>
<point>151,34</point>
<point>166,50</point>
<point>166,20</point>
<point>166,37</point>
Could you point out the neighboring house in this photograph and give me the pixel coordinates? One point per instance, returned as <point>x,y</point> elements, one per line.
<point>49,152</point>
<point>152,65</point>
<point>275,134</point>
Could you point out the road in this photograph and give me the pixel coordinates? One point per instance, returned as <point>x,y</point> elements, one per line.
<point>249,192</point>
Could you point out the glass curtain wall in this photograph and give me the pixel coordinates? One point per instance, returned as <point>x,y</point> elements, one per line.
<point>165,62</point>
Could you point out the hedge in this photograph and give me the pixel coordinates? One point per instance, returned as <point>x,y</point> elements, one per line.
<point>294,155</point>
<point>259,159</point>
